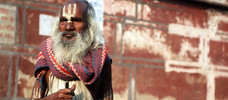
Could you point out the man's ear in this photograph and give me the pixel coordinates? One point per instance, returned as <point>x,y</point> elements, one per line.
<point>86,25</point>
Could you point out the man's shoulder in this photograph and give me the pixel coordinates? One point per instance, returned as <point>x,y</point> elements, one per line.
<point>108,59</point>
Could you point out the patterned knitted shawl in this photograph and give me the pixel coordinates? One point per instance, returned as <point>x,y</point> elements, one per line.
<point>87,72</point>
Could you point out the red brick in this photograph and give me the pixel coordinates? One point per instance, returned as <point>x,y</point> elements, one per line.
<point>53,1</point>
<point>175,4</point>
<point>48,1</point>
<point>164,15</point>
<point>4,74</point>
<point>20,25</point>
<point>61,1</point>
<point>120,8</point>
<point>221,88</point>
<point>32,27</point>
<point>160,84</point>
<point>219,53</point>
<point>25,76</point>
<point>222,26</point>
<point>138,42</point>
<point>120,78</point>
<point>109,34</point>
<point>119,35</point>
<point>139,11</point>
<point>179,43</point>
<point>29,61</point>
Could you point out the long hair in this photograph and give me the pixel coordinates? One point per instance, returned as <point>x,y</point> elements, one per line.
<point>93,27</point>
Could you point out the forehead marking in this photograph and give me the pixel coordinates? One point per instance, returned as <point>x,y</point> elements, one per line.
<point>69,14</point>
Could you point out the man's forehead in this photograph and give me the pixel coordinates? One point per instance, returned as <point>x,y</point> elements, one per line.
<point>73,8</point>
<point>81,5</point>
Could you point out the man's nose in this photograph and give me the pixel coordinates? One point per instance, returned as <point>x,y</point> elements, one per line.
<point>69,26</point>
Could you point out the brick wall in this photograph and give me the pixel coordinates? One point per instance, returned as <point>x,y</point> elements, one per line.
<point>161,50</point>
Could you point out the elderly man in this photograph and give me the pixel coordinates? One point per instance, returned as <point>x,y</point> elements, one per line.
<point>73,63</point>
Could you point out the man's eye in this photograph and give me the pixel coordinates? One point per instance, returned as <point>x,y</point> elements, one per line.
<point>63,19</point>
<point>76,19</point>
<point>63,23</point>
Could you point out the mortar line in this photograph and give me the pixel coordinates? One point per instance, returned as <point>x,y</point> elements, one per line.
<point>164,7</point>
<point>7,52</point>
<point>127,18</point>
<point>16,53</point>
<point>17,27</point>
<point>16,77</point>
<point>122,47</point>
<point>144,59</point>
<point>148,21</point>
<point>10,77</point>
<point>136,10</point>
<point>130,79</point>
<point>135,94</point>
<point>17,45</point>
<point>115,37</point>
<point>142,11</point>
<point>146,66</point>
<point>24,26</point>
<point>163,29</point>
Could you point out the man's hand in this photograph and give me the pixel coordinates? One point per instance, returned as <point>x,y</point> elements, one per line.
<point>63,94</point>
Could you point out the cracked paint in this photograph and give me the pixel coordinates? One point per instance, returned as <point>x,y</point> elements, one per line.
<point>151,97</point>
<point>204,65</point>
<point>30,59</point>
<point>121,96</point>
<point>122,5</point>
<point>186,47</point>
<point>152,41</point>
<point>26,82</point>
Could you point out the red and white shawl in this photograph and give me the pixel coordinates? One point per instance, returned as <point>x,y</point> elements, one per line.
<point>87,72</point>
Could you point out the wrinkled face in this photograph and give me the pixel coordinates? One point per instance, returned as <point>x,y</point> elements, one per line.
<point>72,19</point>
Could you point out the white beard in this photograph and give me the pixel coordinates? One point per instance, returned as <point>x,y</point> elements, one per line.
<point>74,50</point>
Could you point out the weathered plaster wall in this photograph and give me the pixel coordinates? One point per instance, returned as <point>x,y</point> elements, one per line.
<point>161,50</point>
